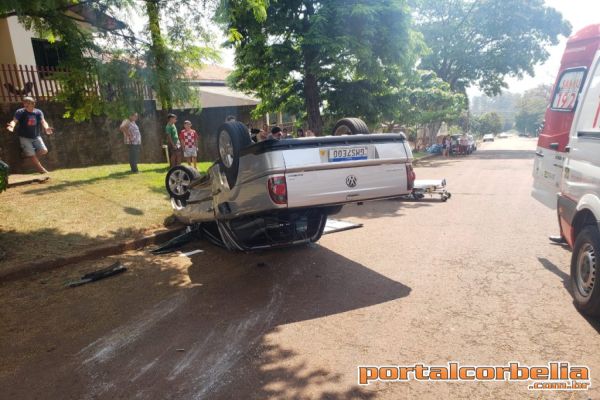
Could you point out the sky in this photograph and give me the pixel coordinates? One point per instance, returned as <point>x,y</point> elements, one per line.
<point>580,13</point>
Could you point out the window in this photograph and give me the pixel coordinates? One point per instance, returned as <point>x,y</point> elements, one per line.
<point>589,118</point>
<point>567,90</point>
<point>47,54</point>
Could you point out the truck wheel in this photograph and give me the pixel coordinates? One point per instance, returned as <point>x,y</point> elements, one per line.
<point>178,181</point>
<point>585,267</point>
<point>232,138</point>
<point>350,126</point>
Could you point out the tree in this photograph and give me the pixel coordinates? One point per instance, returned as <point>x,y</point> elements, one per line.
<point>531,109</point>
<point>308,55</point>
<point>487,123</point>
<point>119,60</point>
<point>482,42</point>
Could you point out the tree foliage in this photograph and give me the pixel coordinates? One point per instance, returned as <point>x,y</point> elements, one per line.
<point>487,123</point>
<point>333,55</point>
<point>482,42</point>
<point>531,109</point>
<point>120,60</point>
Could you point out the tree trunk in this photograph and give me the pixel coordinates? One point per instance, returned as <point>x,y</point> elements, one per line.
<point>434,127</point>
<point>312,101</point>
<point>159,52</point>
<point>312,96</point>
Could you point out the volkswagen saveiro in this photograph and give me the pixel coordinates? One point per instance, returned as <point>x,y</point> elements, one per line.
<point>280,192</point>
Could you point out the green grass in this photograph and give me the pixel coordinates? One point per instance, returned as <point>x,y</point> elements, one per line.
<point>82,207</point>
<point>418,155</point>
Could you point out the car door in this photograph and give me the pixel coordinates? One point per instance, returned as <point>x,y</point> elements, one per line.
<point>581,175</point>
<point>552,142</point>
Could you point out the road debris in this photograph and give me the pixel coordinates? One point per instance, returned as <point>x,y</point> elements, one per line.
<point>111,270</point>
<point>177,242</point>
<point>336,225</point>
<point>191,253</point>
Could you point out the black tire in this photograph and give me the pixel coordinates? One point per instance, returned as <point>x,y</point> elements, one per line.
<point>585,287</point>
<point>178,181</point>
<point>232,137</point>
<point>350,126</point>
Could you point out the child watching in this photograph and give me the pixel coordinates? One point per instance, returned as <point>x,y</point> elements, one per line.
<point>189,141</point>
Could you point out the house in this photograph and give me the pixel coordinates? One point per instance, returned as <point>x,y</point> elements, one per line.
<point>27,61</point>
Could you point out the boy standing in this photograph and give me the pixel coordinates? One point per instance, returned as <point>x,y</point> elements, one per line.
<point>189,140</point>
<point>30,122</point>
<point>173,140</point>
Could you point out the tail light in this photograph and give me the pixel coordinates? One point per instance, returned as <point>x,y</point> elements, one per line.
<point>278,189</point>
<point>410,176</point>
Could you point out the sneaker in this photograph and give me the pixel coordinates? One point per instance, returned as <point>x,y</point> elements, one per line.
<point>559,239</point>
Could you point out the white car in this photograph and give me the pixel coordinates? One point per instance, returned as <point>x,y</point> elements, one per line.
<point>503,135</point>
<point>488,137</point>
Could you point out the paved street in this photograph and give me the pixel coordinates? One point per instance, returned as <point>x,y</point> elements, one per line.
<point>472,280</point>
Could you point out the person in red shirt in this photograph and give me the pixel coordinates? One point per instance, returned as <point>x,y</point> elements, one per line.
<point>189,142</point>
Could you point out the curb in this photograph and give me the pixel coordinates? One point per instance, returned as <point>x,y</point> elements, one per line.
<point>30,268</point>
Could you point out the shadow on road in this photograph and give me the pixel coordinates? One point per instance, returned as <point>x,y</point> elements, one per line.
<point>383,208</point>
<point>503,155</point>
<point>566,281</point>
<point>440,161</point>
<point>168,328</point>
<point>550,266</point>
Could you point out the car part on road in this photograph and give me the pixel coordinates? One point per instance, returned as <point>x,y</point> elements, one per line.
<point>585,263</point>
<point>177,242</point>
<point>178,181</point>
<point>350,126</point>
<point>111,270</point>
<point>233,137</point>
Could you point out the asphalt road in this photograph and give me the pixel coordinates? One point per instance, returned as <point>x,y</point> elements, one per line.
<point>473,280</point>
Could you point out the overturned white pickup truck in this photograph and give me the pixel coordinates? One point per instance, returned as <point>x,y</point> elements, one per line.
<point>280,192</point>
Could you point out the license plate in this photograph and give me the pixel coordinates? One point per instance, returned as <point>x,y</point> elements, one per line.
<point>348,153</point>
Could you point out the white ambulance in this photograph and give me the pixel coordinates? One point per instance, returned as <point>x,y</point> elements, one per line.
<point>567,165</point>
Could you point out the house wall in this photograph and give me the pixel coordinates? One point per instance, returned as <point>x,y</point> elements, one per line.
<point>21,42</point>
<point>99,141</point>
<point>7,54</point>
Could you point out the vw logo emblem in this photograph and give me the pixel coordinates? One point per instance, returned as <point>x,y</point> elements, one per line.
<point>351,181</point>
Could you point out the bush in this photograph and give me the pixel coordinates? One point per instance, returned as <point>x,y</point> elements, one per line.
<point>3,176</point>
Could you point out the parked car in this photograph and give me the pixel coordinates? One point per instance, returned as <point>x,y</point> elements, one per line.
<point>280,192</point>
<point>455,147</point>
<point>567,165</point>
<point>488,137</point>
<point>472,144</point>
<point>503,135</point>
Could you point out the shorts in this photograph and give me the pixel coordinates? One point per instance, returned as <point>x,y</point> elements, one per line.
<point>31,146</point>
<point>190,152</point>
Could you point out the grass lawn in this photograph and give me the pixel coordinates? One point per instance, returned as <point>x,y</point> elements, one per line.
<point>420,154</point>
<point>81,207</point>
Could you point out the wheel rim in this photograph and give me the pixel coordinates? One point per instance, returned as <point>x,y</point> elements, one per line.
<point>342,130</point>
<point>179,181</point>
<point>586,270</point>
<point>226,149</point>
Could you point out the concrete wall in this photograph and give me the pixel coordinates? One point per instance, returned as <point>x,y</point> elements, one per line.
<point>99,141</point>
<point>7,53</point>
<point>21,42</point>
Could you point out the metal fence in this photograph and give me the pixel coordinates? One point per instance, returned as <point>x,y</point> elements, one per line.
<point>40,82</point>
